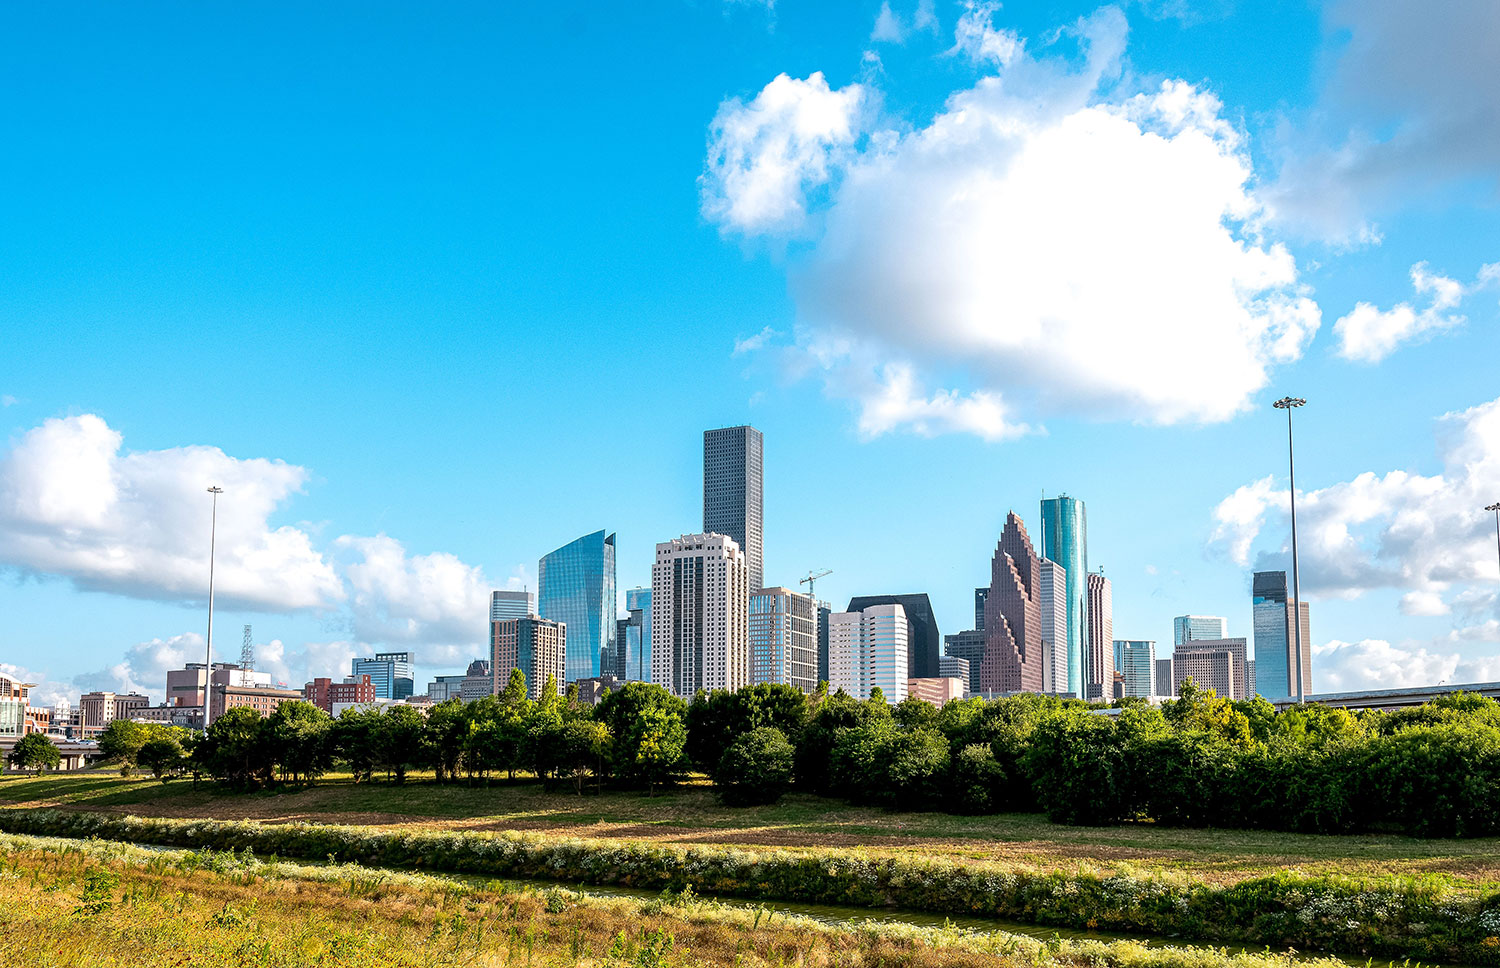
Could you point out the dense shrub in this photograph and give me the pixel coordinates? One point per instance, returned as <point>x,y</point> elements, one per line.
<point>756,768</point>
<point>1079,769</point>
<point>1385,917</point>
<point>1439,781</point>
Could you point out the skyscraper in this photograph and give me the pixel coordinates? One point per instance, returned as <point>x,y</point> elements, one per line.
<point>1013,615</point>
<point>1217,664</point>
<point>923,642</point>
<point>699,613</point>
<point>391,672</point>
<point>783,632</point>
<point>967,646</point>
<point>1135,659</point>
<point>1165,684</point>
<point>536,646</point>
<point>980,594</point>
<point>824,611</point>
<point>1275,643</point>
<point>867,651</point>
<point>635,650</point>
<point>1053,587</point>
<point>1101,637</point>
<point>577,588</point>
<point>511,604</point>
<point>1065,540</point>
<point>732,492</point>
<point>1186,628</point>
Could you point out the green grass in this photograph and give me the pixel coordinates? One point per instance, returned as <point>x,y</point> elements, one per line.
<point>100,905</point>
<point>691,815</point>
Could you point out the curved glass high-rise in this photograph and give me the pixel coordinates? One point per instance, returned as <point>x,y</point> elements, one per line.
<point>1065,540</point>
<point>577,586</point>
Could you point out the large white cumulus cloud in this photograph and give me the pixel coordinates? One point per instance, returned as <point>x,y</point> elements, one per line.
<point>1069,245</point>
<point>72,503</point>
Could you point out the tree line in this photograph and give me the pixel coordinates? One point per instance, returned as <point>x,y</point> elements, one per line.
<point>1197,760</point>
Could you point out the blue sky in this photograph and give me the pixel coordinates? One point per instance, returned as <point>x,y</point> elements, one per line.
<point>434,291</point>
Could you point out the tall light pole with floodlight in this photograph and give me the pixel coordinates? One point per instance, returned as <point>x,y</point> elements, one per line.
<point>1496,508</point>
<point>208,649</point>
<point>1289,404</point>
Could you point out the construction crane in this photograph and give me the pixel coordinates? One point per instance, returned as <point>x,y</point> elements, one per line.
<point>812,577</point>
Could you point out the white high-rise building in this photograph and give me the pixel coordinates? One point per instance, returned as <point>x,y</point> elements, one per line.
<point>700,602</point>
<point>1101,638</point>
<point>1053,585</point>
<point>506,605</point>
<point>868,650</point>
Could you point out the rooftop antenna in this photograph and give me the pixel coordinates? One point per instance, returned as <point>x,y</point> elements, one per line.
<point>247,652</point>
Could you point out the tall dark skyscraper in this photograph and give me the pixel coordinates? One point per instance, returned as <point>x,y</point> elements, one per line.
<point>732,501</point>
<point>923,639</point>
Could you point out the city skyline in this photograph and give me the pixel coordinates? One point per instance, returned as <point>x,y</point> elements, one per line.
<point>309,295</point>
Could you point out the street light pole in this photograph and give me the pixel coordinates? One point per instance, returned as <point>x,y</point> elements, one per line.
<point>1289,404</point>
<point>1496,508</point>
<point>208,650</point>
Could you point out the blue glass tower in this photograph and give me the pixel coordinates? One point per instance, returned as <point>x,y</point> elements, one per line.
<point>1065,540</point>
<point>577,587</point>
<point>636,666</point>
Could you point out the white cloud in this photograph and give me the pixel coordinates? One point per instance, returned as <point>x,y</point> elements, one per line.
<point>435,600</point>
<point>1425,535</point>
<point>137,523</point>
<point>977,39</point>
<point>750,344</point>
<point>764,156</point>
<point>1377,664</point>
<point>897,402</point>
<point>888,27</point>
<point>1081,250</point>
<point>1369,334</point>
<point>1409,112</point>
<point>6,400</point>
<point>144,666</point>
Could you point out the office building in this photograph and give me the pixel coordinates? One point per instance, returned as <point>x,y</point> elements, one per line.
<point>783,630</point>
<point>263,699</point>
<point>1053,586</point>
<point>443,688</point>
<point>323,693</point>
<point>185,685</point>
<point>1201,660</point>
<point>590,691</point>
<point>1135,662</point>
<point>1250,679</point>
<point>966,647</point>
<point>733,502</point>
<point>1065,540</point>
<point>96,710</point>
<point>1187,628</point>
<point>980,594</point>
<point>824,611</point>
<point>1013,615</point>
<point>952,667</point>
<point>1275,640</point>
<point>393,674</point>
<point>1165,684</point>
<point>925,642</point>
<point>1101,636</point>
<point>15,700</point>
<point>511,604</point>
<point>577,588</point>
<point>867,650</point>
<point>936,690</point>
<point>700,604</point>
<point>478,679</point>
<point>634,650</point>
<point>536,646</point>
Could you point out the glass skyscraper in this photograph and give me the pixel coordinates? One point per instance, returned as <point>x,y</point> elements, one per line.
<point>577,587</point>
<point>635,651</point>
<point>392,674</point>
<point>1136,661</point>
<point>732,486</point>
<point>510,604</point>
<point>1196,628</point>
<point>1065,540</point>
<point>1275,655</point>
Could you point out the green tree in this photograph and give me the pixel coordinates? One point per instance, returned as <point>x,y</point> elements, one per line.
<point>629,712</point>
<point>299,736</point>
<point>163,756</point>
<point>662,738</point>
<point>234,750</point>
<point>355,740</point>
<point>914,713</point>
<point>121,740</point>
<point>447,728</point>
<point>515,689</point>
<point>757,768</point>
<point>35,751</point>
<point>400,740</point>
<point>585,747</point>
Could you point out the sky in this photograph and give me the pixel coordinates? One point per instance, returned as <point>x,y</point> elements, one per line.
<point>433,290</point>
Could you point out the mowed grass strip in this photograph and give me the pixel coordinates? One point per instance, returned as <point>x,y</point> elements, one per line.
<point>690,815</point>
<point>114,905</point>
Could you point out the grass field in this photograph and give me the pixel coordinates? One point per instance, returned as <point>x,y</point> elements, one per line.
<point>690,815</point>
<point>114,905</point>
